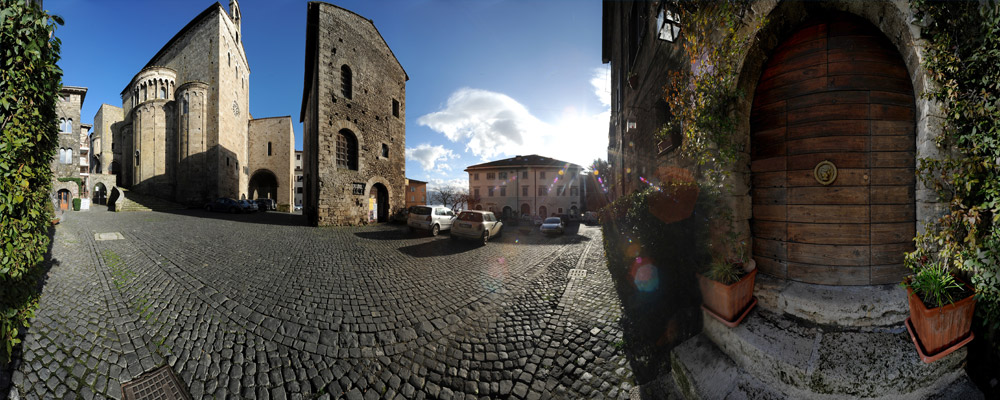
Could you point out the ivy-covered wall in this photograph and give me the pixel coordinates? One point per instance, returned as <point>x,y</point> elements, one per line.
<point>29,88</point>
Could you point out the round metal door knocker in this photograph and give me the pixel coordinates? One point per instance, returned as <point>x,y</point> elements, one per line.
<point>825,172</point>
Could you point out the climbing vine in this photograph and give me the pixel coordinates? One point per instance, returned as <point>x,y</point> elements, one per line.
<point>703,95</point>
<point>29,89</point>
<point>962,56</point>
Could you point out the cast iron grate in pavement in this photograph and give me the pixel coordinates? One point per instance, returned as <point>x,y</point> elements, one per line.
<point>108,236</point>
<point>577,273</point>
<point>160,383</point>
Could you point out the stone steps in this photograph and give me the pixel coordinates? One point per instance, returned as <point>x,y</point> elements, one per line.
<point>769,356</point>
<point>139,202</point>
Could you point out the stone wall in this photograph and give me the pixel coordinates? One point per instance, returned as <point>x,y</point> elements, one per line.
<point>272,151</point>
<point>67,107</point>
<point>103,150</point>
<point>192,175</point>
<point>372,109</point>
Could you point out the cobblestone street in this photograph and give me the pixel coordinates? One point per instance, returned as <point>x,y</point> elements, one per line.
<point>256,306</point>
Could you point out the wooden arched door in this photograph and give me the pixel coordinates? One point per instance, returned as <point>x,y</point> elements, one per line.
<point>836,90</point>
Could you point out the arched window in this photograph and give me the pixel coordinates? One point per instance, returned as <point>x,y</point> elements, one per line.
<point>347,150</point>
<point>346,81</point>
<point>184,104</point>
<point>163,92</point>
<point>62,124</point>
<point>69,125</point>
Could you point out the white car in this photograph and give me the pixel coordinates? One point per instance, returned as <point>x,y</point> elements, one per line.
<point>553,226</point>
<point>476,225</point>
<point>430,218</point>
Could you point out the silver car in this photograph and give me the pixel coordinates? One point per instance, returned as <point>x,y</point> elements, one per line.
<point>476,225</point>
<point>553,226</point>
<point>430,218</point>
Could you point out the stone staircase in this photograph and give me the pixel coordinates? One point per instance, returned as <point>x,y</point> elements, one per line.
<point>769,356</point>
<point>132,201</point>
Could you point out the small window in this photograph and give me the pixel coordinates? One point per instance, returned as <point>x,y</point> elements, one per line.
<point>524,175</point>
<point>491,175</point>
<point>227,161</point>
<point>561,191</point>
<point>347,150</point>
<point>298,190</point>
<point>395,108</point>
<point>268,148</point>
<point>184,105</point>
<point>476,192</point>
<point>298,157</point>
<point>524,191</point>
<point>503,175</point>
<point>298,178</point>
<point>163,93</point>
<point>543,190</point>
<point>475,176</point>
<point>491,191</point>
<point>385,150</point>
<point>503,191</point>
<point>574,191</point>
<point>346,81</point>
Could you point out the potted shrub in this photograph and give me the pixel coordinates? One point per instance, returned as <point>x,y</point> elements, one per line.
<point>941,309</point>
<point>727,288</point>
<point>76,204</point>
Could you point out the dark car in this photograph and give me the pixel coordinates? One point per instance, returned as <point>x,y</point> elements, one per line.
<point>224,204</point>
<point>266,204</point>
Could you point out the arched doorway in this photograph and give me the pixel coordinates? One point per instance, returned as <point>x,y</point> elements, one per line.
<point>100,194</point>
<point>574,211</point>
<point>525,209</point>
<point>507,212</point>
<point>378,203</point>
<point>65,197</point>
<point>263,184</point>
<point>834,94</point>
<point>543,212</point>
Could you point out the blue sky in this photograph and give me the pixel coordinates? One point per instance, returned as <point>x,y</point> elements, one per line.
<point>488,79</point>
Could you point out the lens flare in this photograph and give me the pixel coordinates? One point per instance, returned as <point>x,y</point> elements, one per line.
<point>646,278</point>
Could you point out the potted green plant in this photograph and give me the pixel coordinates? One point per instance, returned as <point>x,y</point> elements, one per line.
<point>941,309</point>
<point>727,288</point>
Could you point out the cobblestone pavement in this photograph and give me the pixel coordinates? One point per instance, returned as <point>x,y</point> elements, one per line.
<point>253,306</point>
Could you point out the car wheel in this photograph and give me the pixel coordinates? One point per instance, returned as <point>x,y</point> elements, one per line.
<point>486,237</point>
<point>435,230</point>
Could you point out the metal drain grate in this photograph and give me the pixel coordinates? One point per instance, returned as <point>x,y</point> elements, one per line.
<point>577,273</point>
<point>160,383</point>
<point>108,236</point>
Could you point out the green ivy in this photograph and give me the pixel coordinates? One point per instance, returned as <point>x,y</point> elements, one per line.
<point>30,83</point>
<point>703,95</point>
<point>962,56</point>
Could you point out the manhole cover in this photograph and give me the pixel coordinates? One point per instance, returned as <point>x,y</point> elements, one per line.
<point>108,236</point>
<point>160,383</point>
<point>577,273</point>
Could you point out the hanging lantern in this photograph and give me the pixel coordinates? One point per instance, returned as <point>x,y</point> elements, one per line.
<point>668,24</point>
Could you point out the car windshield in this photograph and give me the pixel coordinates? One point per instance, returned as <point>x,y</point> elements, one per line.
<point>552,220</point>
<point>470,216</point>
<point>422,210</point>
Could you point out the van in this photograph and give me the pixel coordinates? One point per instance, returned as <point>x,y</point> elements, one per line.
<point>433,219</point>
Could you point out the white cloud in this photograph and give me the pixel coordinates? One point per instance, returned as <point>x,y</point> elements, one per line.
<point>493,125</point>
<point>601,81</point>
<point>428,156</point>
<point>459,183</point>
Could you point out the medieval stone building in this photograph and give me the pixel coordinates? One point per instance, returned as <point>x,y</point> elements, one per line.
<point>66,164</point>
<point>353,115</point>
<point>826,84</point>
<point>185,132</point>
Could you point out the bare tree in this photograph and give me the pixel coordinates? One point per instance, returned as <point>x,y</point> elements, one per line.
<point>451,196</point>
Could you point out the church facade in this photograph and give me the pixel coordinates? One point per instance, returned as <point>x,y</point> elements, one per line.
<point>185,132</point>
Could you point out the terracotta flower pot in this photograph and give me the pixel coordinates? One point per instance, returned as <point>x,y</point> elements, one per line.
<point>941,327</point>
<point>727,302</point>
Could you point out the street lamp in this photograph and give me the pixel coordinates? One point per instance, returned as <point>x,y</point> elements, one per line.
<point>668,24</point>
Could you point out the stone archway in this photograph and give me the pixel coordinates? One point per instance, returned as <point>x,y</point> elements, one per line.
<point>100,194</point>
<point>507,212</point>
<point>263,184</point>
<point>65,199</point>
<point>379,200</point>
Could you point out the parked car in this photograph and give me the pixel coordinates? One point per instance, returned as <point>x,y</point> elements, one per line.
<point>537,220</point>
<point>590,218</point>
<point>476,225</point>
<point>248,206</point>
<point>224,204</point>
<point>266,204</point>
<point>553,226</point>
<point>434,219</point>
